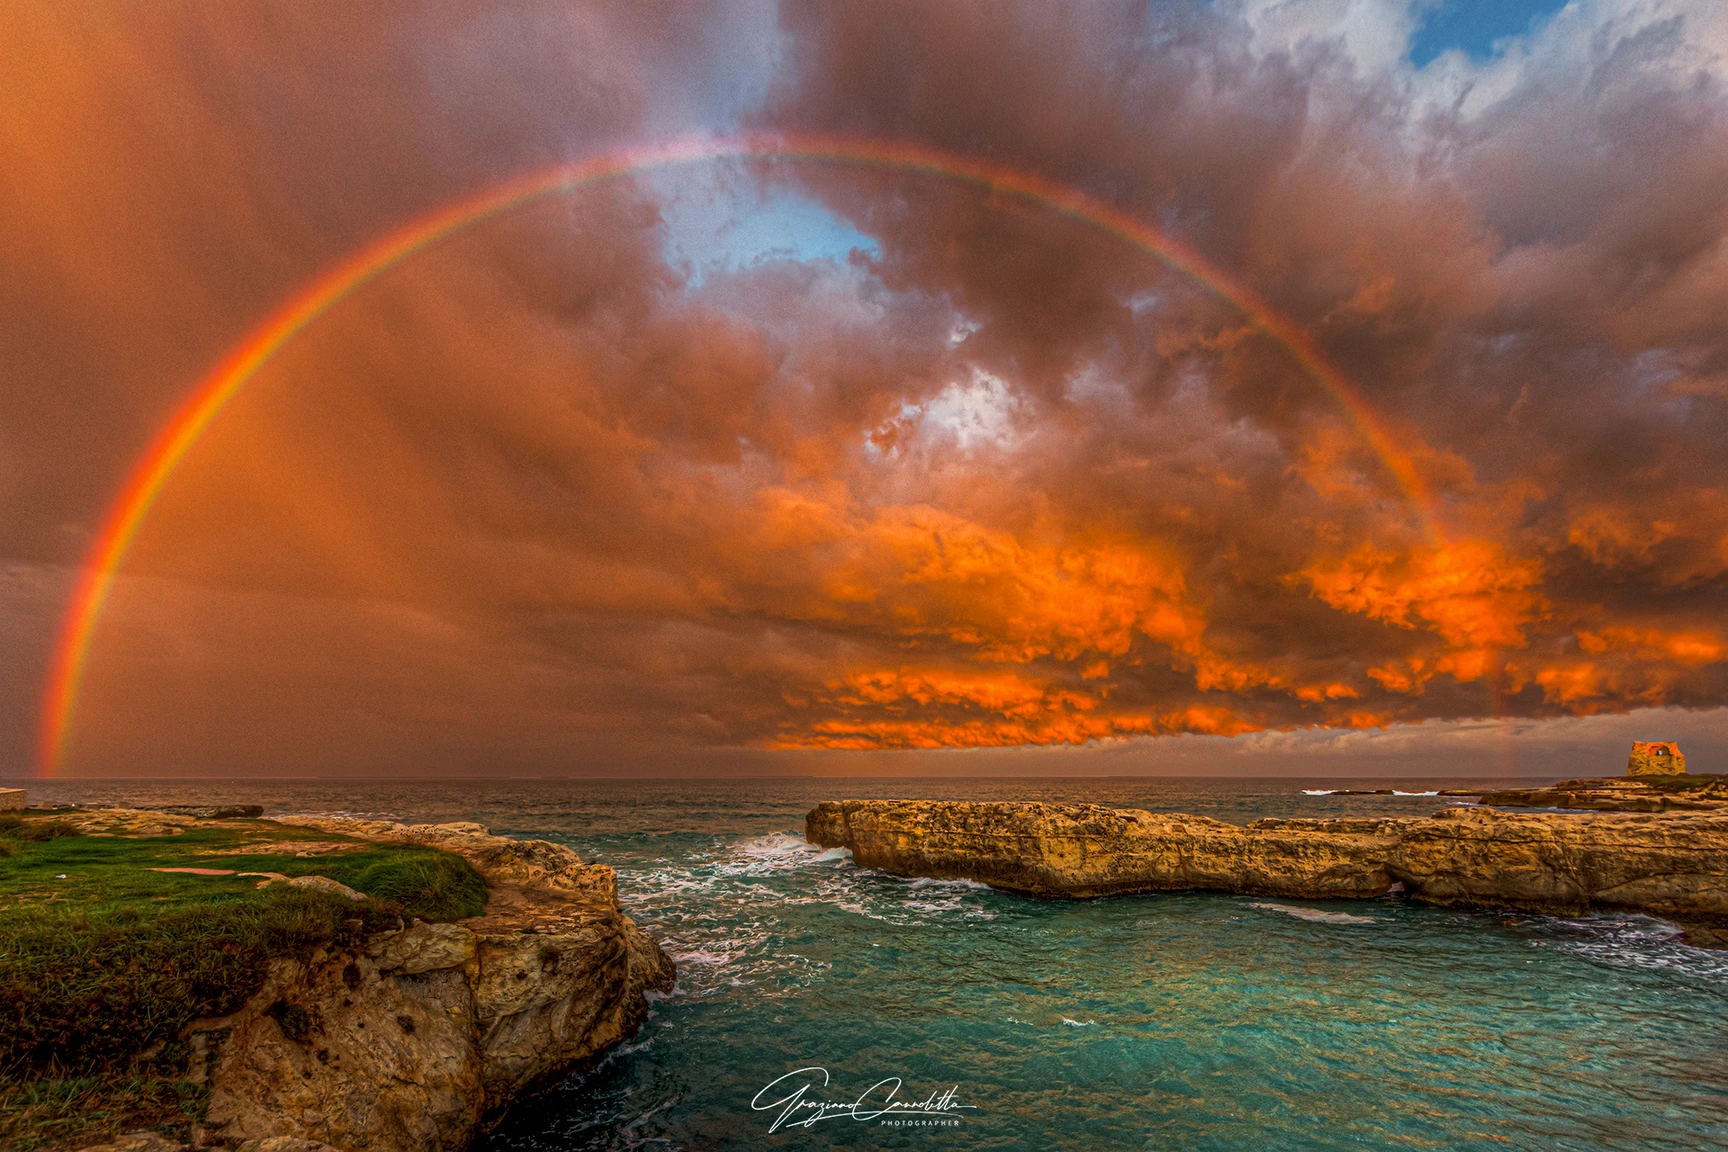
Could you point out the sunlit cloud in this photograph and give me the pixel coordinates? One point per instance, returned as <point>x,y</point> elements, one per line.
<point>752,460</point>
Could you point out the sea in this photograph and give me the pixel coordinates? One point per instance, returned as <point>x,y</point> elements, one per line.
<point>824,1005</point>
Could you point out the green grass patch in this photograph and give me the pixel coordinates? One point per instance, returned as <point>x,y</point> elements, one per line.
<point>103,961</point>
<point>432,885</point>
<point>43,1113</point>
<point>49,865</point>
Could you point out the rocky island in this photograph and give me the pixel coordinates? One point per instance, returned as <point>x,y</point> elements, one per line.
<point>1670,865</point>
<point>349,1022</point>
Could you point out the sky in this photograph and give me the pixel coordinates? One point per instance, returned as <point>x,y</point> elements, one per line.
<point>775,466</point>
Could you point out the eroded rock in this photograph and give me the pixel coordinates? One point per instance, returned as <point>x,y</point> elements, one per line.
<point>418,1038</point>
<point>325,884</point>
<point>126,822</point>
<point>422,948</point>
<point>1669,865</point>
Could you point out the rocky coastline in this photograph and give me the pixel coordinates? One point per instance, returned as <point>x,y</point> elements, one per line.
<point>1669,865</point>
<point>420,1038</point>
<point>1677,793</point>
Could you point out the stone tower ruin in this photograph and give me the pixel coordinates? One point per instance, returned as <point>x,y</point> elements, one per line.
<point>1659,758</point>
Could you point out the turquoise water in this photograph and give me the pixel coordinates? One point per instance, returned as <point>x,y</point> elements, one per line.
<point>1166,1022</point>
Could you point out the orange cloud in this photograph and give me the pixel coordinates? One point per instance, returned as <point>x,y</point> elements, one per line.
<point>1471,594</point>
<point>542,494</point>
<point>929,708</point>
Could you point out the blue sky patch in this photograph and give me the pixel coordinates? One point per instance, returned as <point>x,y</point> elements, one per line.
<point>1474,25</point>
<point>723,224</point>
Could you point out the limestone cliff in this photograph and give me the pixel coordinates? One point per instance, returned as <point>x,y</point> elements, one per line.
<point>1669,865</point>
<point>415,1039</point>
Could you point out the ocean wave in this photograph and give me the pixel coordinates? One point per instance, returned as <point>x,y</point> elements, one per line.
<point>1316,915</point>
<point>1631,941</point>
<point>858,908</point>
<point>1318,791</point>
<point>777,852</point>
<point>894,900</point>
<point>924,882</point>
<point>703,956</point>
<point>1079,1023</point>
<point>719,912</point>
<point>943,907</point>
<point>1395,792</point>
<point>657,885</point>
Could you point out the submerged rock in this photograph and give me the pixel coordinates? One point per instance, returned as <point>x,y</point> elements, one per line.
<point>1669,865</point>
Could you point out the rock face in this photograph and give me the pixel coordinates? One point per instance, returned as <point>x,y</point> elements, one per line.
<point>1674,866</point>
<point>416,1039</point>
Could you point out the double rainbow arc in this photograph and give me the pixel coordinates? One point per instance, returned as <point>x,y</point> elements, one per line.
<point>181,435</point>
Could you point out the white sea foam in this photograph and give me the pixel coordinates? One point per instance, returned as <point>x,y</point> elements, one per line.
<point>1395,792</point>
<point>950,885</point>
<point>774,852</point>
<point>1079,1023</point>
<point>946,907</point>
<point>717,913</point>
<point>1318,791</point>
<point>1317,915</point>
<point>1632,941</point>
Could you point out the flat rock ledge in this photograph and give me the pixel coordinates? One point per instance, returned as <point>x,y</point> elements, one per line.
<point>1669,865</point>
<point>1680,793</point>
<point>417,1040</point>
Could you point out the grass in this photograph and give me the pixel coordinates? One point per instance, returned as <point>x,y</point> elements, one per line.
<point>103,961</point>
<point>38,1113</point>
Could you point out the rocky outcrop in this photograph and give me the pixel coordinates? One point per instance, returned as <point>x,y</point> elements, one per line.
<point>124,821</point>
<point>416,1039</point>
<point>216,811</point>
<point>1673,866</point>
<point>1654,793</point>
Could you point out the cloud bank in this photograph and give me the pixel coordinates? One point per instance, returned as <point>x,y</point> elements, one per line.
<point>543,499</point>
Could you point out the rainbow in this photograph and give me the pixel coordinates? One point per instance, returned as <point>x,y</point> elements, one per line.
<point>120,526</point>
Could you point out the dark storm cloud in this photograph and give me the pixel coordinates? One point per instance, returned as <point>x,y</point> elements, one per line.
<point>1530,291</point>
<point>173,171</point>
